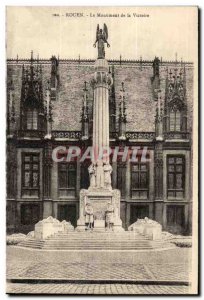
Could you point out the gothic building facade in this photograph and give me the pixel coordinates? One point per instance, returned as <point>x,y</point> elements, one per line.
<point>49,104</point>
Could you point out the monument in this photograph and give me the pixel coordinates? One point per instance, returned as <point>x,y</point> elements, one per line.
<point>100,193</point>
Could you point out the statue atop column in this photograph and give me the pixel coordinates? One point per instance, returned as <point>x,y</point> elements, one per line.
<point>101,39</point>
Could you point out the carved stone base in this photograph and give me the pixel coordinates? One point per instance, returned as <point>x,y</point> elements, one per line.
<point>99,199</point>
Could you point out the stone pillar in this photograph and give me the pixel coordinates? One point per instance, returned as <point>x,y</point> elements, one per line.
<point>78,175</point>
<point>101,82</point>
<point>159,163</point>
<point>122,115</point>
<point>128,181</point>
<point>158,171</point>
<point>85,116</point>
<point>114,174</point>
<point>48,114</point>
<point>47,169</point>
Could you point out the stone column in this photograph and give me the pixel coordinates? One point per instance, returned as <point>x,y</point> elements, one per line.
<point>100,192</point>
<point>47,173</point>
<point>101,82</point>
<point>48,114</point>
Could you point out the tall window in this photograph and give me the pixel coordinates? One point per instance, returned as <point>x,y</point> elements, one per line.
<point>121,178</point>
<point>140,180</point>
<point>32,119</point>
<point>175,120</point>
<point>176,176</point>
<point>30,174</point>
<point>67,179</point>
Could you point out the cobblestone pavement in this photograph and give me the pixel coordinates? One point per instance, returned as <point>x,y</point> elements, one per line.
<point>139,267</point>
<point>84,289</point>
<point>102,271</point>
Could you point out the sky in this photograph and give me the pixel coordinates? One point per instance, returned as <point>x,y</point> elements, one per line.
<point>167,32</point>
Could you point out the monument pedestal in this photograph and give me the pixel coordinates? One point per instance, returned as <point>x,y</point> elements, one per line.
<point>100,192</point>
<point>99,199</point>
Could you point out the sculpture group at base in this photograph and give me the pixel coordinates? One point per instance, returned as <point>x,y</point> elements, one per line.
<point>90,217</point>
<point>100,175</point>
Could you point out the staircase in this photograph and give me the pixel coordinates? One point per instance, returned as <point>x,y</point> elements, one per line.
<point>96,241</point>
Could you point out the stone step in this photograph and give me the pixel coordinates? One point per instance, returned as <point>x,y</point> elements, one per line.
<point>103,233</point>
<point>96,241</point>
<point>91,236</point>
<point>94,246</point>
<point>98,237</point>
<point>89,240</point>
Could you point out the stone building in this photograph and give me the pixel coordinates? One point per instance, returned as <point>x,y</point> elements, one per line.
<point>49,104</point>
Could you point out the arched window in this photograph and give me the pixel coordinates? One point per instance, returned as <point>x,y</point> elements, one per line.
<point>32,119</point>
<point>175,119</point>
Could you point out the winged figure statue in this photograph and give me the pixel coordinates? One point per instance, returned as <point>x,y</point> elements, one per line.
<point>101,39</point>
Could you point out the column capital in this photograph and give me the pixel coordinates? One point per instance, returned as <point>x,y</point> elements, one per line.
<point>101,77</point>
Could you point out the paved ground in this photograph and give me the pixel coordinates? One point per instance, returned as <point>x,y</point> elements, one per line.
<point>84,289</point>
<point>167,266</point>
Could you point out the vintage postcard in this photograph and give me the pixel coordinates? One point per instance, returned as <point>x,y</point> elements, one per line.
<point>102,150</point>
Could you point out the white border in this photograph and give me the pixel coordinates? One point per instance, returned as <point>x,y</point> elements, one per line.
<point>3,4</point>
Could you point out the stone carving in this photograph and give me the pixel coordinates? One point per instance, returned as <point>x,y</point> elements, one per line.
<point>51,226</point>
<point>67,134</point>
<point>92,175</point>
<point>67,226</point>
<point>107,175</point>
<point>89,216</point>
<point>140,135</point>
<point>99,174</point>
<point>101,78</point>
<point>101,39</point>
<point>110,216</point>
<point>99,215</point>
<point>31,234</point>
<point>148,227</point>
<point>47,227</point>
